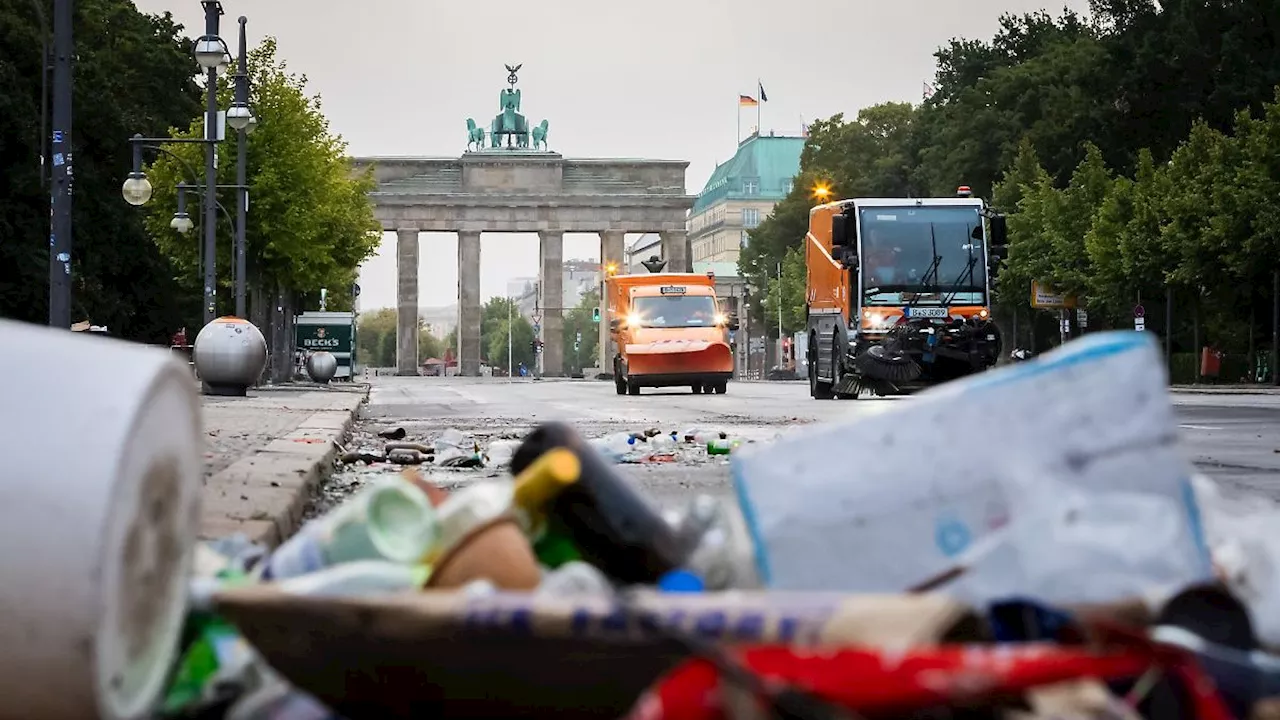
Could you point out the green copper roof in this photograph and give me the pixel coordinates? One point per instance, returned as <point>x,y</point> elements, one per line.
<point>770,162</point>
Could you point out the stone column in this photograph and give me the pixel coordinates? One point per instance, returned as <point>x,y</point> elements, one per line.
<point>675,250</point>
<point>551,300</point>
<point>406,302</point>
<point>612,249</point>
<point>469,303</point>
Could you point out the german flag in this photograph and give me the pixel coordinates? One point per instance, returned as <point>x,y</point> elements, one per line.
<point>747,101</point>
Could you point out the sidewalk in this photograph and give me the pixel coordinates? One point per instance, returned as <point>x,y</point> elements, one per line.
<point>1241,389</point>
<point>264,453</point>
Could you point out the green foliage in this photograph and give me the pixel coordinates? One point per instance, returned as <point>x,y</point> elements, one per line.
<point>578,320</point>
<point>376,339</point>
<point>494,329</point>
<point>1204,224</point>
<point>794,313</point>
<point>310,223</point>
<point>133,74</point>
<point>1134,151</point>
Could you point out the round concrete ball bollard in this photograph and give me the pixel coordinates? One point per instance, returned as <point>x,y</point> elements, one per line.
<point>229,354</point>
<point>322,366</point>
<point>103,467</point>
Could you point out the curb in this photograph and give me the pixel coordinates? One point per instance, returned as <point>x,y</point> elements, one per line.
<point>263,496</point>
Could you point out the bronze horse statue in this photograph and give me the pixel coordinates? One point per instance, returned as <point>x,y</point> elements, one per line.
<point>475,135</point>
<point>540,135</point>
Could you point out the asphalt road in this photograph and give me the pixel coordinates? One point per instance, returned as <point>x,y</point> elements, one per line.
<point>1233,437</point>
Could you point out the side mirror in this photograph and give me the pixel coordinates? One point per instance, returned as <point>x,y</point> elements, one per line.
<point>839,233</point>
<point>998,253</point>
<point>999,232</point>
<point>733,323</point>
<point>613,324</point>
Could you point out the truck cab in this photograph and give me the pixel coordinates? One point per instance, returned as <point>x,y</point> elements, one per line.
<point>670,332</point>
<point>899,293</point>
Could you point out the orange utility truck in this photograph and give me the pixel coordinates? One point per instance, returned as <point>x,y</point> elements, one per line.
<point>899,293</point>
<point>670,331</point>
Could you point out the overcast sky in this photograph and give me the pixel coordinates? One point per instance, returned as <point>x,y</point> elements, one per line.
<point>654,79</point>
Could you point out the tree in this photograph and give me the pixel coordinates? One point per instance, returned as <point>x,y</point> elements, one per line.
<point>494,328</point>
<point>136,76</point>
<point>579,320</point>
<point>310,223</point>
<point>376,337</point>
<point>792,286</point>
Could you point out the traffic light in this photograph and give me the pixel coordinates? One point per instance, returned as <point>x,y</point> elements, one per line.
<point>595,314</point>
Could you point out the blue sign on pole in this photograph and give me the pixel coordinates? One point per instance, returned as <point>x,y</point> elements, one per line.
<point>537,329</point>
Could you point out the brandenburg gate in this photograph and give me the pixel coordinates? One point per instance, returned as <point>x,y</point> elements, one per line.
<point>513,183</point>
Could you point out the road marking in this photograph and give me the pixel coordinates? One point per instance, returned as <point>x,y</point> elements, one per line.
<point>1200,427</point>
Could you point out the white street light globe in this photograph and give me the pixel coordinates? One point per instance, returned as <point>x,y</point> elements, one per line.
<point>209,51</point>
<point>136,189</point>
<point>182,223</point>
<point>253,123</point>
<point>238,117</point>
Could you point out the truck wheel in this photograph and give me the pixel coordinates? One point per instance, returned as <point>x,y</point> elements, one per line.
<point>818,390</point>
<point>632,388</point>
<point>722,387</point>
<point>697,388</point>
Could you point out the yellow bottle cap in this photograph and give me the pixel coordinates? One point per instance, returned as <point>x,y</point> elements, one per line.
<point>557,469</point>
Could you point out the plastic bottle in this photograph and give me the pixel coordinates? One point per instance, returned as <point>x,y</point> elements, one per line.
<point>719,446</point>
<point>392,520</point>
<point>724,555</point>
<point>359,578</point>
<point>662,443</point>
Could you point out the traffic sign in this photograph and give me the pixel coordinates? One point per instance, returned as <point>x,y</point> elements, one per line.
<point>1082,317</point>
<point>537,328</point>
<point>1139,311</point>
<point>537,318</point>
<point>1139,324</point>
<point>579,337</point>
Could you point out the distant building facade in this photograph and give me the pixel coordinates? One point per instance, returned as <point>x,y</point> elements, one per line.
<point>580,277</point>
<point>740,194</point>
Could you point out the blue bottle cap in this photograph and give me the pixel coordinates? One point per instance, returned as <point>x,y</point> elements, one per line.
<point>681,581</point>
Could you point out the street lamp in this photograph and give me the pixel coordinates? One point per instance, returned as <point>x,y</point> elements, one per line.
<point>211,52</point>
<point>136,189</point>
<point>181,221</point>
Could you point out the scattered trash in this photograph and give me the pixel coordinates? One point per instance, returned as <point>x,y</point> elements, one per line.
<point>1072,564</point>
<point>395,434</point>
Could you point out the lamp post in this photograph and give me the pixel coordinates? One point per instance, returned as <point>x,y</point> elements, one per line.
<point>211,52</point>
<point>60,244</point>
<point>241,119</point>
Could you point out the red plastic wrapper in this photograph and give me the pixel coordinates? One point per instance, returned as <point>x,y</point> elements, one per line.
<point>884,681</point>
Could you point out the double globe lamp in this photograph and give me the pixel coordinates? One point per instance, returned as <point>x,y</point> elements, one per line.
<point>230,352</point>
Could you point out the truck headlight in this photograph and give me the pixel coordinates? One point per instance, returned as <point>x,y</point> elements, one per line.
<point>633,320</point>
<point>721,319</point>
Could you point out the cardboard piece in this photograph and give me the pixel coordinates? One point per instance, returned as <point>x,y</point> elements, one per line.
<point>437,654</point>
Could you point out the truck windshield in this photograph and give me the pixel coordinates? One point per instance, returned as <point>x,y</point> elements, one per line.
<point>897,252</point>
<point>675,311</point>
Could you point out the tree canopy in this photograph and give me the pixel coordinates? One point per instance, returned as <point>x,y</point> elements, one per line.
<point>135,77</point>
<point>1135,150</point>
<point>310,223</point>
<point>494,330</point>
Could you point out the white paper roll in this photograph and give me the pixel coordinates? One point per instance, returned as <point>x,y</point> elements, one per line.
<point>99,512</point>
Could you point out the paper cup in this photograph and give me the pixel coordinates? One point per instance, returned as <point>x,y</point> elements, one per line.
<point>497,551</point>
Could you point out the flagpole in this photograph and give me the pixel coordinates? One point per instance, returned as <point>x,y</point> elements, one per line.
<point>759,107</point>
<point>738,139</point>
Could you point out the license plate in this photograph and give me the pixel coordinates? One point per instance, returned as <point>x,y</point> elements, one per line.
<point>927,312</point>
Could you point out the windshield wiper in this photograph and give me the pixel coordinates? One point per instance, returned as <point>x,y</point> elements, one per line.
<point>931,271</point>
<point>966,276</point>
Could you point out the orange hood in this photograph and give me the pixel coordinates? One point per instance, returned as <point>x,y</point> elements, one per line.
<point>674,340</point>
